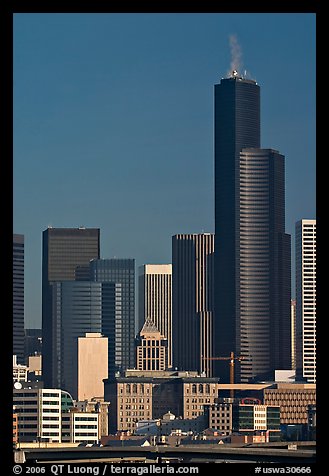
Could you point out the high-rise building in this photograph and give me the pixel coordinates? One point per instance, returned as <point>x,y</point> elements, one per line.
<point>63,251</point>
<point>252,254</point>
<point>151,348</point>
<point>263,274</point>
<point>18,297</point>
<point>92,365</point>
<point>155,301</point>
<point>120,272</point>
<point>193,301</point>
<point>79,307</point>
<point>306,299</point>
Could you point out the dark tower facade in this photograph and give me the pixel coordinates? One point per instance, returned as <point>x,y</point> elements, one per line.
<point>63,251</point>
<point>264,287</point>
<point>252,251</point>
<point>18,297</point>
<point>237,125</point>
<point>121,272</point>
<point>193,301</point>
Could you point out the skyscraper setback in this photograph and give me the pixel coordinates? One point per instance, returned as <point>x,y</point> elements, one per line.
<point>252,252</point>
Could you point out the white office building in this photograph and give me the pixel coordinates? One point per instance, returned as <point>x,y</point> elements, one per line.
<point>306,300</point>
<point>48,415</point>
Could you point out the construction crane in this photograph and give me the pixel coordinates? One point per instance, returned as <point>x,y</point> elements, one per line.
<point>231,359</point>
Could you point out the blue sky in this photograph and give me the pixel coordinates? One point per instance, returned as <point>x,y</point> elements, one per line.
<point>113,124</point>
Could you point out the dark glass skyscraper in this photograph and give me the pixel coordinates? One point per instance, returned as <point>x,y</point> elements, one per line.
<point>63,251</point>
<point>193,301</point>
<point>122,342</point>
<point>245,225</point>
<point>18,297</point>
<point>79,307</point>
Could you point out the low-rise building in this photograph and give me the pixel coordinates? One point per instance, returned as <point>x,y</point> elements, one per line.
<point>146,395</point>
<point>97,405</point>
<point>39,413</point>
<point>293,399</point>
<point>80,427</point>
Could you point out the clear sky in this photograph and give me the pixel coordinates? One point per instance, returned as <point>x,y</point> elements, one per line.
<point>113,124</point>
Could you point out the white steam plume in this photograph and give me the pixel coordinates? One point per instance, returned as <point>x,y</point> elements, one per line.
<point>236,54</point>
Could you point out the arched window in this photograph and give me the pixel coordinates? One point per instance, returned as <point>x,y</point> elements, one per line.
<point>200,388</point>
<point>194,388</point>
<point>128,388</point>
<point>207,388</point>
<point>135,388</point>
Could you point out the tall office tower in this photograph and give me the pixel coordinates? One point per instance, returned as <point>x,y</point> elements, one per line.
<point>18,297</point>
<point>154,300</point>
<point>120,271</point>
<point>306,299</point>
<point>293,334</point>
<point>237,125</point>
<point>193,301</point>
<point>263,273</point>
<point>63,250</point>
<point>79,307</point>
<point>237,157</point>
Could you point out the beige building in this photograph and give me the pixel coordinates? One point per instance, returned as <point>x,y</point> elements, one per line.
<point>155,300</point>
<point>92,365</point>
<point>35,364</point>
<point>147,395</point>
<point>151,348</point>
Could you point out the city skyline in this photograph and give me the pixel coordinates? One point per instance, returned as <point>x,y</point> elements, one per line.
<point>120,135</point>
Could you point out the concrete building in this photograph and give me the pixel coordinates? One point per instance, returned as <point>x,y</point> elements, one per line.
<point>80,427</point>
<point>155,300</point>
<point>99,406</point>
<point>219,415</point>
<point>232,415</point>
<point>193,302</point>
<point>49,415</point>
<point>18,297</point>
<point>121,273</point>
<point>293,399</point>
<point>92,365</point>
<point>63,251</point>
<point>40,412</point>
<point>306,299</point>
<point>151,348</point>
<point>146,395</point>
<point>252,250</point>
